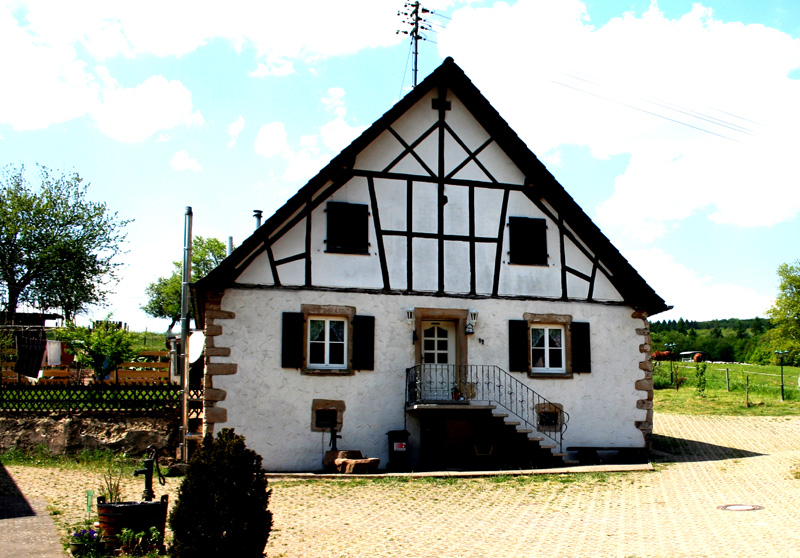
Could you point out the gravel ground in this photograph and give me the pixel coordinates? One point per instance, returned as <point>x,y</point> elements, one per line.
<point>672,512</point>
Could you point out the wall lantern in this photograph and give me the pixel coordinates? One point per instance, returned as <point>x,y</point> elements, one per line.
<point>410,316</point>
<point>471,320</point>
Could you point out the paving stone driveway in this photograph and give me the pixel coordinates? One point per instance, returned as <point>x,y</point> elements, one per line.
<point>670,513</point>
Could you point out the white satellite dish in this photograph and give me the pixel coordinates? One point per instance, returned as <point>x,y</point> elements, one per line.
<point>197,342</point>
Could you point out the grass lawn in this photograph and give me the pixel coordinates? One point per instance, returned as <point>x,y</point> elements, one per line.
<point>727,395</point>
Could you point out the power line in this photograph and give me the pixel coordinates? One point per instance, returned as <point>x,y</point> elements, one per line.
<point>702,117</point>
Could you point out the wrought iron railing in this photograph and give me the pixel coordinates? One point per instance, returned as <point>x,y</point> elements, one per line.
<point>456,383</point>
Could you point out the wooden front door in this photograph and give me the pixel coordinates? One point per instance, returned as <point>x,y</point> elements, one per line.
<point>438,359</point>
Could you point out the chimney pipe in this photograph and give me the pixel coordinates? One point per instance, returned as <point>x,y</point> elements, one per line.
<point>230,245</point>
<point>257,214</point>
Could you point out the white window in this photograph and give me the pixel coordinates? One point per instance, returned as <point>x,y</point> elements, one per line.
<point>327,342</point>
<point>547,348</point>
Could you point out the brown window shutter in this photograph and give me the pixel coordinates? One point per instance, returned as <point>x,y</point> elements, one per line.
<point>292,340</point>
<point>581,347</point>
<point>518,346</point>
<point>363,343</point>
<point>527,241</point>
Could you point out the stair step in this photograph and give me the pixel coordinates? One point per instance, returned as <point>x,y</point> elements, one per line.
<point>499,415</point>
<point>560,454</point>
<point>535,438</point>
<point>571,462</point>
<point>525,431</point>
<point>548,446</point>
<point>512,422</point>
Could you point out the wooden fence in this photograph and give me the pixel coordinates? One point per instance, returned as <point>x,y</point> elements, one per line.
<point>90,398</point>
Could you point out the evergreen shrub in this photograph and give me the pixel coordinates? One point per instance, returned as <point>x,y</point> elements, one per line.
<point>222,502</point>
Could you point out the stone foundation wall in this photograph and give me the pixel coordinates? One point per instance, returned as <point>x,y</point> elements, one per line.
<point>64,434</point>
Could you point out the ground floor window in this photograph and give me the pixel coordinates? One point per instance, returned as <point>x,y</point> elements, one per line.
<point>547,347</point>
<point>327,342</point>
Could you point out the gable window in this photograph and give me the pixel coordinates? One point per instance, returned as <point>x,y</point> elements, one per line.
<point>348,228</point>
<point>327,342</point>
<point>527,241</point>
<point>547,348</point>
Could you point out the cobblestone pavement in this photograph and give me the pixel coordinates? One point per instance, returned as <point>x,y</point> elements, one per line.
<point>26,530</point>
<point>672,512</point>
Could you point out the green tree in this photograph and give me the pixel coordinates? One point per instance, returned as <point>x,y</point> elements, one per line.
<point>103,347</point>
<point>164,295</point>
<point>57,248</point>
<point>785,312</point>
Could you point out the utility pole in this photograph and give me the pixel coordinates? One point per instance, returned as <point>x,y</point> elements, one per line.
<point>414,16</point>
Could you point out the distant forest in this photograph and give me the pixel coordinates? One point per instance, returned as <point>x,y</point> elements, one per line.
<point>729,340</point>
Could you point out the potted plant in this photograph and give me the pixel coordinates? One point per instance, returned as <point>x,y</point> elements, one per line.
<point>86,543</point>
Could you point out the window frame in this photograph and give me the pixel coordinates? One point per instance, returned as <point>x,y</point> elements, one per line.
<point>547,349</point>
<point>328,312</point>
<point>564,323</point>
<point>327,342</point>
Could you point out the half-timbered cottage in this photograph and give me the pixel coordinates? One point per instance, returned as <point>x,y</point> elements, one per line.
<point>436,279</point>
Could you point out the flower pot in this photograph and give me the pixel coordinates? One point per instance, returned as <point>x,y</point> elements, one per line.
<point>77,549</point>
<point>136,516</point>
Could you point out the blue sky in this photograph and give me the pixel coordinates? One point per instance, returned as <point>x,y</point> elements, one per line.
<point>673,124</point>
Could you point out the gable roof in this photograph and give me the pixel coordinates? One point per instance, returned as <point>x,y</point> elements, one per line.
<point>631,286</point>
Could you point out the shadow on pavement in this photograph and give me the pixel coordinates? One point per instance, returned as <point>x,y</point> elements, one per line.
<point>667,448</point>
<point>12,501</point>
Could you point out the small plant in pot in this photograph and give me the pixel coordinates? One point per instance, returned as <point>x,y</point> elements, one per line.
<point>86,543</point>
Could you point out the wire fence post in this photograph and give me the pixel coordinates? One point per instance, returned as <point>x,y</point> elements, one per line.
<point>727,379</point>
<point>747,391</point>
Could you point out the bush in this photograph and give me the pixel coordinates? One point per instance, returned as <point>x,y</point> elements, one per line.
<point>222,502</point>
<point>700,375</point>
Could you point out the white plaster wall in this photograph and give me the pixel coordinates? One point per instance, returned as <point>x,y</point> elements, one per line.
<point>577,287</point>
<point>604,290</point>
<point>424,207</point>
<point>258,272</point>
<point>344,270</point>
<point>380,153</point>
<point>417,119</point>
<point>271,405</point>
<point>526,279</point>
<point>456,211</point>
<point>391,197</point>
<point>464,124</point>
<point>576,259</point>
<point>425,262</point>
<point>500,166</point>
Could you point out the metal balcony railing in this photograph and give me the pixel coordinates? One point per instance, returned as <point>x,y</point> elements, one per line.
<point>454,383</point>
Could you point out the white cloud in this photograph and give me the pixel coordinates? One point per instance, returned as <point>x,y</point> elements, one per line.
<point>704,108</point>
<point>181,161</point>
<point>54,45</point>
<point>275,67</point>
<point>135,114</point>
<point>272,140</point>
<point>234,129</point>
<point>693,296</point>
<point>315,150</point>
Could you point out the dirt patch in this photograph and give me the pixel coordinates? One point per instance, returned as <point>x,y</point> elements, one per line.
<point>64,434</point>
